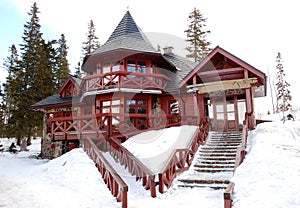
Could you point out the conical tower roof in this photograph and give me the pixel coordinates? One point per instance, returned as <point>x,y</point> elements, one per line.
<point>128,36</point>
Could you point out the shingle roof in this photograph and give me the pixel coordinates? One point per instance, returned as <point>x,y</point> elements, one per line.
<point>184,67</point>
<point>127,35</point>
<point>54,100</point>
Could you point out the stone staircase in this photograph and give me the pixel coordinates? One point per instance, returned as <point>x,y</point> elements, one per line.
<point>213,165</point>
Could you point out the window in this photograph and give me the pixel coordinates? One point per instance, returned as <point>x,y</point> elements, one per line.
<point>136,106</point>
<point>136,66</point>
<point>142,67</point>
<point>173,107</point>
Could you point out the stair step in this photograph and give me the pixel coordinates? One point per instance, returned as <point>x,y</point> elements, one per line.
<point>217,162</point>
<point>214,166</point>
<point>218,158</point>
<point>217,151</point>
<point>202,186</point>
<point>218,154</point>
<point>213,170</point>
<point>204,181</point>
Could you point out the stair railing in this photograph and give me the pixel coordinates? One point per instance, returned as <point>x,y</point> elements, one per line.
<point>134,165</point>
<point>181,159</point>
<point>240,156</point>
<point>110,176</point>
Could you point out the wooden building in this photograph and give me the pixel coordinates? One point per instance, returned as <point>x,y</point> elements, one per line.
<point>131,87</point>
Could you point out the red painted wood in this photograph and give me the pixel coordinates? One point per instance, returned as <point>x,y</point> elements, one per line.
<point>110,176</point>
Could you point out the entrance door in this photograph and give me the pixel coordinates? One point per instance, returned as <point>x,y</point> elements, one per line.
<point>225,113</point>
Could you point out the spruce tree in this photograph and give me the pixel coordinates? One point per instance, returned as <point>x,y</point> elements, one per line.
<point>33,78</point>
<point>92,42</point>
<point>61,70</point>
<point>283,93</point>
<point>196,34</point>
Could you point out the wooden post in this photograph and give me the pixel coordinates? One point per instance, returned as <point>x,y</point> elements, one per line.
<point>249,104</point>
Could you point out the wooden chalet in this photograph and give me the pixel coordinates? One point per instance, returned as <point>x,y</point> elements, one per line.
<point>131,87</point>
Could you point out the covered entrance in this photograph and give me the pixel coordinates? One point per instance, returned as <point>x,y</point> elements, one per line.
<point>225,113</point>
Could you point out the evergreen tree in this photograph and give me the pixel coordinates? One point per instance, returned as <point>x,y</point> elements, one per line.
<point>283,93</point>
<point>10,64</point>
<point>196,34</point>
<point>61,69</point>
<point>91,43</point>
<point>33,79</point>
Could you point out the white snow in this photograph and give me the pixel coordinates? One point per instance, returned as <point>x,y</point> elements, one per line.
<point>267,178</point>
<point>153,148</point>
<point>270,174</point>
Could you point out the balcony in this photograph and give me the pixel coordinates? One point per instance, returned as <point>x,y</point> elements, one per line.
<point>124,79</point>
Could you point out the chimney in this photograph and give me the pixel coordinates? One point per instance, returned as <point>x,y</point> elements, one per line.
<point>168,49</point>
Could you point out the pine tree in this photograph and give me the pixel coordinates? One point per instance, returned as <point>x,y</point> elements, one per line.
<point>196,36</point>
<point>283,93</point>
<point>33,79</point>
<point>91,43</point>
<point>61,69</point>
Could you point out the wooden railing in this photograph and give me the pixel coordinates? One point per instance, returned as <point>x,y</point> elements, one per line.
<point>181,159</point>
<point>240,156</point>
<point>113,181</point>
<point>133,164</point>
<point>66,128</point>
<point>126,80</point>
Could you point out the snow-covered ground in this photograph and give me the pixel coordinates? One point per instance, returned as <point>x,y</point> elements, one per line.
<point>268,178</point>
<point>270,173</point>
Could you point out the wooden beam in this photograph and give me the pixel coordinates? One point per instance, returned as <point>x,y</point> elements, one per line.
<point>226,85</point>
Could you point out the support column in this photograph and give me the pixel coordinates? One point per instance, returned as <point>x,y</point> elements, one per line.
<point>249,105</point>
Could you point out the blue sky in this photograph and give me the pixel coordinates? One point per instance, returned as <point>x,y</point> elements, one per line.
<point>253,30</point>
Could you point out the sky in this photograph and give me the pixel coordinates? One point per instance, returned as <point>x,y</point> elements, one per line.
<point>254,31</point>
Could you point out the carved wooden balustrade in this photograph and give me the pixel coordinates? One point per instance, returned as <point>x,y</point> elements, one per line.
<point>124,79</point>
<point>110,176</point>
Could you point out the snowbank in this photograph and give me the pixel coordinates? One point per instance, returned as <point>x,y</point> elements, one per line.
<point>154,148</point>
<point>71,180</point>
<point>270,173</point>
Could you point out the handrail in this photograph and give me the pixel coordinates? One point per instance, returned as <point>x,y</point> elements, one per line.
<point>240,156</point>
<point>134,165</point>
<point>110,176</point>
<point>124,79</point>
<point>181,159</point>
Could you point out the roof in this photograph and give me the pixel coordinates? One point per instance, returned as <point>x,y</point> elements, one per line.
<point>75,80</point>
<point>183,65</point>
<point>52,100</point>
<point>218,50</point>
<point>127,35</point>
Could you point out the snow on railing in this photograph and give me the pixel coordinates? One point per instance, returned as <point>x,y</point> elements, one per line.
<point>240,156</point>
<point>134,165</point>
<point>110,176</point>
<point>181,159</point>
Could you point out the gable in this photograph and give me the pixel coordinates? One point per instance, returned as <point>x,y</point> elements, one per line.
<point>221,65</point>
<point>70,88</point>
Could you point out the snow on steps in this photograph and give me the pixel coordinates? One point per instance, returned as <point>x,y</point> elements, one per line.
<point>213,165</point>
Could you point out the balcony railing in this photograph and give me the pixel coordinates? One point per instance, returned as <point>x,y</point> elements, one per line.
<point>124,79</point>
<point>109,124</point>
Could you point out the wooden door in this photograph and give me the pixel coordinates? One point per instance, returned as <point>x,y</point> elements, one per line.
<point>225,113</point>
